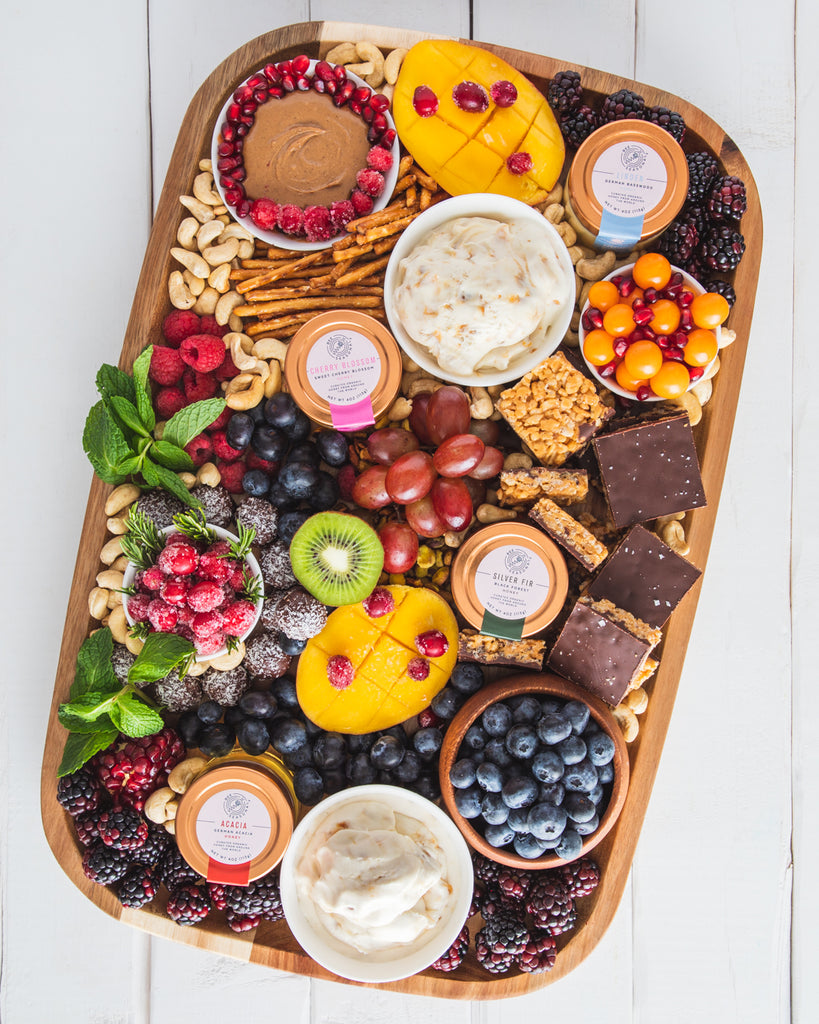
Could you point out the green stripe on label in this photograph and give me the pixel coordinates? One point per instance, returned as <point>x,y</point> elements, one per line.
<point>506,629</point>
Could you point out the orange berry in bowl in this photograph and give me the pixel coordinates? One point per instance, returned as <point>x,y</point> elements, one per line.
<point>671,380</point>
<point>618,320</point>
<point>651,271</point>
<point>710,310</point>
<point>603,295</point>
<point>666,318</point>
<point>643,359</point>
<point>598,348</point>
<point>700,348</point>
<point>634,295</point>
<point>625,380</point>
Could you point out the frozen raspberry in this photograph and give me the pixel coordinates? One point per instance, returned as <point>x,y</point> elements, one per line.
<point>185,615</point>
<point>362,204</point>
<point>380,602</point>
<point>418,669</point>
<point>206,623</point>
<point>204,352</point>
<point>504,93</point>
<point>161,615</point>
<point>341,214</point>
<point>370,182</point>
<point>221,448</point>
<point>379,159</point>
<point>519,163</point>
<point>205,596</point>
<point>200,449</point>
<point>169,401</point>
<point>212,566</point>
<point>238,571</point>
<point>198,386</point>
<point>174,591</point>
<point>427,718</point>
<point>137,605</point>
<point>471,97</point>
<point>255,462</point>
<point>432,644</point>
<point>178,560</point>
<point>178,325</point>
<point>318,224</point>
<point>232,473</point>
<point>291,219</point>
<point>424,101</point>
<point>151,579</point>
<point>265,214</point>
<point>176,538</point>
<point>208,325</point>
<point>228,369</point>
<point>238,617</point>
<point>166,365</point>
<point>340,671</point>
<point>208,646</point>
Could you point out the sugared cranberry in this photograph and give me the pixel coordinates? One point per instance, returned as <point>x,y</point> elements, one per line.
<point>380,602</point>
<point>519,163</point>
<point>432,643</point>
<point>173,591</point>
<point>418,669</point>
<point>340,671</point>
<point>471,97</point>
<point>424,101</point>
<point>504,93</point>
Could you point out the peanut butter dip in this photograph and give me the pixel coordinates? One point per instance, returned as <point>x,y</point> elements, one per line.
<point>304,150</point>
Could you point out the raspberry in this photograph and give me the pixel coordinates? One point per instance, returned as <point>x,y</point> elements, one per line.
<point>161,615</point>
<point>238,618</point>
<point>379,159</point>
<point>221,448</point>
<point>206,623</point>
<point>362,204</point>
<point>432,643</point>
<point>151,579</point>
<point>166,365</point>
<point>198,386</point>
<point>341,214</point>
<point>204,352</point>
<point>232,473</point>
<point>318,224</point>
<point>200,449</point>
<point>380,602</point>
<point>340,671</point>
<point>418,669</point>
<point>178,325</point>
<point>205,596</point>
<point>227,369</point>
<point>291,219</point>
<point>519,163</point>
<point>178,560</point>
<point>169,401</point>
<point>253,461</point>
<point>208,325</point>
<point>370,182</point>
<point>207,646</point>
<point>503,93</point>
<point>265,214</point>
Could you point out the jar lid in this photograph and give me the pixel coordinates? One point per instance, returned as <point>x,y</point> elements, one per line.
<point>343,369</point>
<point>627,182</point>
<point>509,580</point>
<point>234,823</point>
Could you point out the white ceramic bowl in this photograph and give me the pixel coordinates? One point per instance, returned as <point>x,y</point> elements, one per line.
<point>691,284</point>
<point>387,965</point>
<point>132,569</point>
<point>278,238</point>
<point>497,207</point>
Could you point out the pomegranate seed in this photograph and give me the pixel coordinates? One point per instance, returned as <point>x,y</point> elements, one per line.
<point>276,92</point>
<point>673,352</point>
<point>638,304</point>
<point>617,280</point>
<point>285,67</point>
<point>243,207</point>
<point>227,163</point>
<point>381,103</point>
<point>664,342</point>
<point>595,316</point>
<point>374,134</point>
<point>641,317</point>
<point>238,173</point>
<point>232,196</point>
<point>256,81</point>
<point>247,120</point>
<point>380,122</point>
<point>228,132</point>
<point>388,138</point>
<point>608,369</point>
<point>323,70</point>
<point>234,112</point>
<point>367,113</point>
<point>638,334</point>
<point>686,318</point>
<point>676,278</point>
<point>261,96</point>
<point>424,101</point>
<point>339,74</point>
<point>249,108</point>
<point>302,83</point>
<point>242,129</point>
<point>301,64</point>
<point>288,82</point>
<point>226,149</point>
<point>225,181</point>
<point>626,287</point>
<point>644,392</point>
<point>685,299</point>
<point>344,93</point>
<point>319,85</point>
<point>243,94</point>
<point>620,347</point>
<point>355,106</point>
<point>272,74</point>
<point>672,291</point>
<point>471,97</point>
<point>649,333</point>
<point>650,296</point>
<point>331,87</point>
<point>362,94</point>
<point>695,372</point>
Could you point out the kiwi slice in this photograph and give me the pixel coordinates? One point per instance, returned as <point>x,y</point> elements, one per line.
<point>338,558</point>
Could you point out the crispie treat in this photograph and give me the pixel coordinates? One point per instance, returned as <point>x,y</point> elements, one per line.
<point>178,694</point>
<point>299,615</point>
<point>160,507</point>
<point>521,486</point>
<point>650,469</point>
<point>645,576</point>
<point>491,650</point>
<point>566,530</point>
<point>603,648</point>
<point>554,409</point>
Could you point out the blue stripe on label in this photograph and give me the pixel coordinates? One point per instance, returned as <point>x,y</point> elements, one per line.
<point>617,232</point>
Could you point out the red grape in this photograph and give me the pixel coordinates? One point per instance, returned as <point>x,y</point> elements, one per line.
<point>447,414</point>
<point>458,455</point>
<point>490,465</point>
<point>410,477</point>
<point>418,417</point>
<point>369,490</point>
<point>423,518</point>
<point>400,544</point>
<point>388,444</point>
<point>452,502</point>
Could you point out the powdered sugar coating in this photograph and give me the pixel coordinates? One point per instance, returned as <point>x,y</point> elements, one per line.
<point>160,507</point>
<point>299,615</point>
<point>121,662</point>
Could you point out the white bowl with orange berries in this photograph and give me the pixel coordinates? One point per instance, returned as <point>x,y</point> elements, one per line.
<point>649,331</point>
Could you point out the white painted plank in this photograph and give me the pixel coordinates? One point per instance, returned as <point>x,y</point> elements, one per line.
<point>451,18</point>
<point>341,1004</point>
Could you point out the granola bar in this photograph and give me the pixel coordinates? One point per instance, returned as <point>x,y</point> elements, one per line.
<point>491,650</point>
<point>520,486</point>
<point>568,532</point>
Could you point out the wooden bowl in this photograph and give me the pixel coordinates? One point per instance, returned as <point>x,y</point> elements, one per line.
<point>513,686</point>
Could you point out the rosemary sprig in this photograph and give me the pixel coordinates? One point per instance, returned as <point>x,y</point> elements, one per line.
<point>194,525</point>
<point>251,587</point>
<point>232,643</point>
<point>140,630</point>
<point>143,541</point>
<point>239,548</point>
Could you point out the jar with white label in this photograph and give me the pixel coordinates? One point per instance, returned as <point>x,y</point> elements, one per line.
<point>509,580</point>
<point>343,369</point>
<point>627,182</point>
<point>236,819</point>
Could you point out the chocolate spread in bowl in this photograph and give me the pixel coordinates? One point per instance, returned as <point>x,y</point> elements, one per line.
<point>304,150</point>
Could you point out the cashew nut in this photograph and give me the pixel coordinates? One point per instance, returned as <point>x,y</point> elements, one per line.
<point>674,536</point>
<point>225,306</point>
<point>492,514</point>
<point>244,392</point>
<point>575,254</point>
<point>178,291</point>
<point>203,189</point>
<point>567,233</point>
<point>363,69</point>
<point>636,700</point>
<point>117,525</point>
<point>205,164</point>
<point>183,774</point>
<point>703,389</point>
<point>554,213</point>
<point>246,249</point>
<point>225,662</point>
<point>342,54</point>
<point>235,230</point>
<point>134,644</point>
<point>194,283</point>
<point>727,337</point>
<point>220,280</point>
<point>556,195</point>
<point>370,52</point>
<point>111,551</point>
<point>627,720</point>
<point>241,348</point>
<point>114,598</point>
<point>186,235</point>
<point>710,371</point>
<point>596,268</point>
<point>192,261</point>
<point>421,385</point>
<point>222,253</point>
<point>270,348</point>
<point>208,233</point>
<point>118,624</point>
<point>392,64</point>
<point>120,498</point>
<point>188,479</point>
<point>273,384</point>
<point>691,404</point>
<point>235,322</point>
<point>161,805</point>
<point>110,579</point>
<point>481,407</point>
<point>206,303</point>
<point>200,210</point>
<point>98,603</point>
<point>209,475</point>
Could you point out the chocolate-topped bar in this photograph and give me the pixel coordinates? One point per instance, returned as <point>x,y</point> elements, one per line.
<point>650,469</point>
<point>645,576</point>
<point>569,533</point>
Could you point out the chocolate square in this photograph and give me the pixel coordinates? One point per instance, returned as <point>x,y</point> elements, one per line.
<point>645,576</point>
<point>649,470</point>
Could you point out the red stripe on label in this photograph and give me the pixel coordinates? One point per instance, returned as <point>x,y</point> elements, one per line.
<point>228,874</point>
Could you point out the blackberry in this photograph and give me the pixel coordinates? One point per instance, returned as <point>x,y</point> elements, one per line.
<point>156,845</point>
<point>454,956</point>
<point>721,249</point>
<point>551,906</point>
<point>486,870</point>
<point>79,792</point>
<point>580,877</point>
<point>565,91</point>
<point>242,922</point>
<point>703,171</point>
<point>189,904</point>
<point>578,124</point>
<point>494,902</point>
<point>679,241</point>
<point>514,884</point>
<point>138,886</point>
<point>174,871</point>
<point>217,895</point>
<point>500,941</point>
<point>728,199</point>
<point>723,288</point>
<point>87,831</point>
<point>623,105</point>
<point>122,828</point>
<point>104,865</point>
<point>669,120</point>
<point>538,954</point>
<point>261,898</point>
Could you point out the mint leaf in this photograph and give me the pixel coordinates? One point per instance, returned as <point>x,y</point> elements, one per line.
<point>161,653</point>
<point>89,706</point>
<point>171,456</point>
<point>144,406</point>
<point>112,381</point>
<point>130,464</point>
<point>149,473</point>
<point>104,444</point>
<point>134,718</point>
<point>76,724</point>
<point>127,414</point>
<point>184,425</point>
<point>81,748</point>
<point>142,364</point>
<point>159,476</point>
<point>94,670</point>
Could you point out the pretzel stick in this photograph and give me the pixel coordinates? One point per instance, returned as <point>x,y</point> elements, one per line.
<point>404,165</point>
<point>381,217</point>
<point>404,183</point>
<point>273,275</point>
<point>317,302</point>
<point>385,230</point>
<point>424,179</point>
<point>356,250</point>
<point>362,272</point>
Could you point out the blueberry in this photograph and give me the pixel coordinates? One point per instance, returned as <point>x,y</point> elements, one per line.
<point>233,716</point>
<point>547,766</point>
<point>325,494</point>
<point>570,845</point>
<point>578,714</point>
<point>546,821</point>
<point>462,774</point>
<point>528,846</point>
<point>304,451</point>
<point>467,677</point>
<point>253,736</point>
<point>280,499</point>
<point>497,720</point>
<point>190,728</point>
<point>499,835</point>
<point>409,769</point>
<point>468,801</point>
<point>446,702</point>
<point>299,429</point>
<point>496,752</point>
<point>387,752</point>
<point>600,748</point>
<point>284,690</point>
<point>301,757</point>
<point>427,742</point>
<point>489,777</point>
<point>580,777</point>
<point>298,479</point>
<point>598,793</point>
<point>553,728</point>
<point>280,410</point>
<point>572,750</point>
<point>258,704</point>
<point>605,773</point>
<point>520,792</point>
<point>518,819</point>
<point>427,786</point>
<point>239,430</point>
<point>309,786</point>
<point>363,741</point>
<point>289,646</point>
<point>521,741</point>
<point>289,523</point>
<point>209,712</point>
<point>553,792</point>
<point>475,738</point>
<point>217,740</point>
<point>256,413</point>
<point>334,780</point>
<point>586,828</point>
<point>333,447</point>
<point>361,770</point>
<point>329,751</point>
<point>525,708</point>
<point>551,705</point>
<point>256,483</point>
<point>493,809</point>
<point>288,735</point>
<point>268,443</point>
<point>310,727</point>
<point>579,807</point>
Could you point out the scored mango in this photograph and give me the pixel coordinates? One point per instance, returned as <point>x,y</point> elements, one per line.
<point>467,150</point>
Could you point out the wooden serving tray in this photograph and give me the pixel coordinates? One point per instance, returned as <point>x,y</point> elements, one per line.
<point>272,944</point>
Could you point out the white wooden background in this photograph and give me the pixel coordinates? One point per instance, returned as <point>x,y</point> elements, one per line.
<point>719,921</point>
